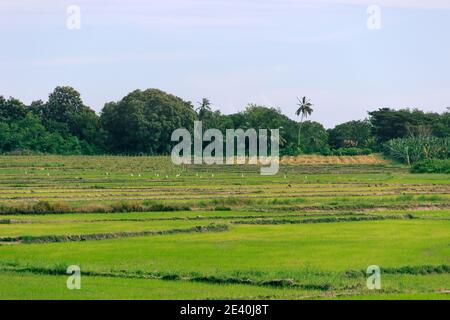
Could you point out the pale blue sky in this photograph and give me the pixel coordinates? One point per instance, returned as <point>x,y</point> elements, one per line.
<point>234,52</point>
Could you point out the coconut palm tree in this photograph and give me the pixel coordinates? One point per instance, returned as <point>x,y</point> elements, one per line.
<point>304,110</point>
<point>204,107</point>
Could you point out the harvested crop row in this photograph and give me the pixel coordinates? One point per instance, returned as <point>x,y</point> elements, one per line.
<point>322,220</point>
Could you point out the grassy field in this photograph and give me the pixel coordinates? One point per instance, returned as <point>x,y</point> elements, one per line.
<point>141,228</point>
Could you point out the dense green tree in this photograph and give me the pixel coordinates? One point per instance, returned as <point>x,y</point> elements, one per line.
<point>28,134</point>
<point>37,108</point>
<point>314,138</point>
<point>11,109</point>
<point>65,113</point>
<point>217,120</point>
<point>62,125</point>
<point>5,137</point>
<point>64,103</point>
<point>351,134</point>
<point>262,117</point>
<point>143,121</point>
<point>441,127</point>
<point>389,124</point>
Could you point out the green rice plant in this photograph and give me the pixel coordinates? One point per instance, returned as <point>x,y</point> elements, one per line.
<point>292,235</point>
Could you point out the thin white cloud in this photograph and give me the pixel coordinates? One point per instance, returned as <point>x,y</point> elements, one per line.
<point>193,21</point>
<point>102,59</point>
<point>421,4</point>
<point>175,5</point>
<point>180,13</point>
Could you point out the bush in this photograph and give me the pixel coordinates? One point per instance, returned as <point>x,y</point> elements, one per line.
<point>353,151</point>
<point>125,206</point>
<point>432,166</point>
<point>412,150</point>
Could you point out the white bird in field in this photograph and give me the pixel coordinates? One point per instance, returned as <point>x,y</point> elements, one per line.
<point>285,176</point>
<point>167,177</point>
<point>132,175</point>
<point>242,175</point>
<point>212,175</point>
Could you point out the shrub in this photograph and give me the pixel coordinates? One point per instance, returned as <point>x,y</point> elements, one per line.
<point>222,209</point>
<point>353,151</point>
<point>45,207</point>
<point>432,166</point>
<point>125,206</point>
<point>411,150</point>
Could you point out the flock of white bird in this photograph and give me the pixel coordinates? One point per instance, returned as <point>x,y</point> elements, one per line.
<point>176,176</point>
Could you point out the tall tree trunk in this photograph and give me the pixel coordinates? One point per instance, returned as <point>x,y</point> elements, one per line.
<point>300,130</point>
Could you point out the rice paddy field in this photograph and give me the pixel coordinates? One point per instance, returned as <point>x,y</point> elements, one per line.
<point>142,228</point>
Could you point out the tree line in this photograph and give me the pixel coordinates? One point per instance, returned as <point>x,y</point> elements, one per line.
<point>143,121</point>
